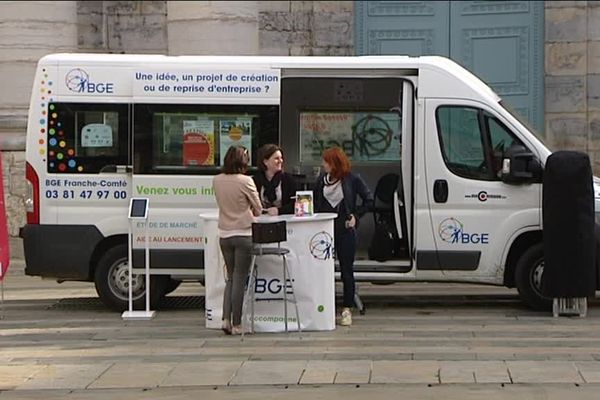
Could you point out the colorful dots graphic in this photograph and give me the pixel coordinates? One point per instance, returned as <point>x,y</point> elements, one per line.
<point>51,122</point>
<point>49,91</point>
<point>51,131</point>
<point>62,143</point>
<point>58,124</point>
<point>62,167</point>
<point>51,106</point>
<point>43,83</point>
<point>42,152</point>
<point>52,142</point>
<point>44,112</point>
<point>43,105</point>
<point>72,163</point>
<point>70,152</point>
<point>42,90</point>
<point>60,156</point>
<point>43,98</point>
<point>51,153</point>
<point>60,133</point>
<point>42,130</point>
<point>49,83</point>
<point>80,168</point>
<point>41,141</point>
<point>54,115</point>
<point>42,121</point>
<point>51,164</point>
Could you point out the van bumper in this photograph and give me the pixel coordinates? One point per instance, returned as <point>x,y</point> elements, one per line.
<point>60,251</point>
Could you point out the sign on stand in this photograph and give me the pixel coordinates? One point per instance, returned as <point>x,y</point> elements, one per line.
<point>138,211</point>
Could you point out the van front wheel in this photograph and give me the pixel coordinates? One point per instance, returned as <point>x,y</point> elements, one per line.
<point>528,278</point>
<point>112,282</point>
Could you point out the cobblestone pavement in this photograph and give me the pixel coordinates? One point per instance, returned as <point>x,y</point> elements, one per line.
<point>419,340</point>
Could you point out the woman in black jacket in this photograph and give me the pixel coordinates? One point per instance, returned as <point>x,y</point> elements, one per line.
<point>276,188</point>
<point>337,191</point>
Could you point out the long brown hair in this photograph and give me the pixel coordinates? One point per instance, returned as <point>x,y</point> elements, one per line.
<point>236,160</point>
<point>338,161</point>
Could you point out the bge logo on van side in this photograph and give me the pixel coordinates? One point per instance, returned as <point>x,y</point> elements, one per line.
<point>77,80</point>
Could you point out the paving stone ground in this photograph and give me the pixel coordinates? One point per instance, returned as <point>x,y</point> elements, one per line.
<point>421,340</point>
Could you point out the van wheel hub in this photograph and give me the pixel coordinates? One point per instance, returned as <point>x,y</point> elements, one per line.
<point>118,281</point>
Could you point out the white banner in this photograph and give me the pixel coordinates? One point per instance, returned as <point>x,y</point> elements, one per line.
<point>310,261</point>
<point>201,83</point>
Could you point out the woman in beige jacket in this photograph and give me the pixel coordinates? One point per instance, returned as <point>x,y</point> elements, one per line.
<point>238,202</point>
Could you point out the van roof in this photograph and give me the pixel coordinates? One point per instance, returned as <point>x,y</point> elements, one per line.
<point>432,70</point>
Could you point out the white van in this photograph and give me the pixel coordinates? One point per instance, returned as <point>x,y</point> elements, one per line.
<point>456,175</point>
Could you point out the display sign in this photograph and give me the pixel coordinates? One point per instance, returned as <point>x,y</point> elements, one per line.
<point>138,208</point>
<point>311,266</point>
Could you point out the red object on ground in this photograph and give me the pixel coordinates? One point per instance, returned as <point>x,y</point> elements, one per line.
<point>4,247</point>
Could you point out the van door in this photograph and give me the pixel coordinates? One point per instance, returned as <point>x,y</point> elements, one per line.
<point>474,215</point>
<point>364,113</point>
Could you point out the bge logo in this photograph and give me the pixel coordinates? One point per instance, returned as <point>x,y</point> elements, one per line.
<point>452,230</point>
<point>271,286</point>
<point>77,80</point>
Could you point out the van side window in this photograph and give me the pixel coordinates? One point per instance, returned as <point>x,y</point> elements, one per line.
<point>500,140</point>
<point>85,138</point>
<point>193,139</point>
<point>473,141</point>
<point>461,141</point>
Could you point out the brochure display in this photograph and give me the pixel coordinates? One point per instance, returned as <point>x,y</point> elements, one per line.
<point>138,211</point>
<point>304,204</point>
<point>311,265</point>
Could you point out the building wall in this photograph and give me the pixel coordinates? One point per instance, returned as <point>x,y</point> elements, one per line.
<point>30,29</point>
<point>572,82</point>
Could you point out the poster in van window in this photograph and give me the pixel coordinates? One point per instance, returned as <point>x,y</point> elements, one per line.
<point>198,142</point>
<point>96,135</point>
<point>363,136</point>
<point>235,132</point>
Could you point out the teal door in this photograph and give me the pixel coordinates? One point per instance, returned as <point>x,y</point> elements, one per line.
<point>501,42</point>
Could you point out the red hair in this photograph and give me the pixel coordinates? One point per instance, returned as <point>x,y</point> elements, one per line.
<point>338,161</point>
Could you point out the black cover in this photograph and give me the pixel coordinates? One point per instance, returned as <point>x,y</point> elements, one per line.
<point>568,214</point>
<point>269,232</point>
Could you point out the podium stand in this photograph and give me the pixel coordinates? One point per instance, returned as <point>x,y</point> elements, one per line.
<point>138,211</point>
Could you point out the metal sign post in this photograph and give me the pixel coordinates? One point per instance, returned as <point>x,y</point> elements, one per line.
<point>138,211</point>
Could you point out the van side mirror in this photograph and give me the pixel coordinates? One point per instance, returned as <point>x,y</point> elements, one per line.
<point>519,165</point>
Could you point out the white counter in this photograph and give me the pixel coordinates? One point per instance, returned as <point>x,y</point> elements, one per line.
<point>310,261</point>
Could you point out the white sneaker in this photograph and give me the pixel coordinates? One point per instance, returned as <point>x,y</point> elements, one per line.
<point>346,319</point>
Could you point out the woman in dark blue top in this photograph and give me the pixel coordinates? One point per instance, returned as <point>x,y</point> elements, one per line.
<point>337,190</point>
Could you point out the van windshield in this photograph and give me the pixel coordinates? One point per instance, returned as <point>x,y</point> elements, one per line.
<point>540,136</point>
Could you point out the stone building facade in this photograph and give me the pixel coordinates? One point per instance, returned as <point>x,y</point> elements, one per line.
<point>28,30</point>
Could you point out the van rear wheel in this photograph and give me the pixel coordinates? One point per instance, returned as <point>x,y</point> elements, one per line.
<point>112,282</point>
<point>528,278</point>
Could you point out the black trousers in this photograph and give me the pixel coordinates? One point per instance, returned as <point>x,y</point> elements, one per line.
<point>345,248</point>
